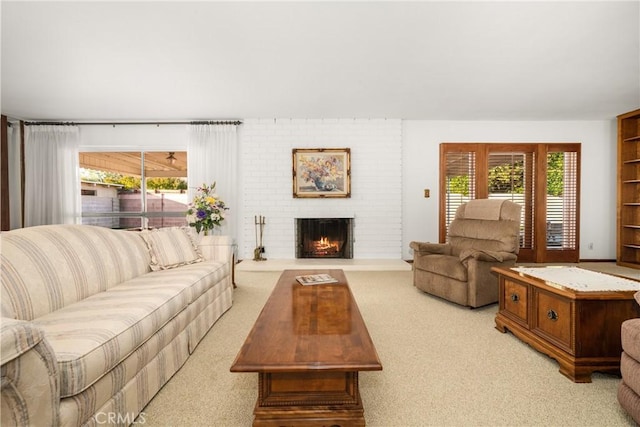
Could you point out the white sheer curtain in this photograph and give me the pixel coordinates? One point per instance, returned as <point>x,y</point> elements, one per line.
<point>52,183</point>
<point>212,156</point>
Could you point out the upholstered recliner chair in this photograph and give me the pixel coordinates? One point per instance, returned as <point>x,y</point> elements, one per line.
<point>484,234</point>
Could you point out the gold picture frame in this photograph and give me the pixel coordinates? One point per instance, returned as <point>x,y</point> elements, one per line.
<point>321,172</point>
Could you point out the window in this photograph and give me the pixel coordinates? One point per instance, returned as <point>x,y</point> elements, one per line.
<point>543,178</point>
<point>134,189</point>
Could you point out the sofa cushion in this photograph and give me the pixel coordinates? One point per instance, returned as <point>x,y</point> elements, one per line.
<point>184,325</point>
<point>171,247</point>
<point>48,267</point>
<point>94,335</point>
<point>196,278</point>
<point>172,338</point>
<point>443,265</point>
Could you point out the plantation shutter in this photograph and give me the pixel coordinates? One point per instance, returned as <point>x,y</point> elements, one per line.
<point>511,176</point>
<point>459,179</point>
<point>562,201</point>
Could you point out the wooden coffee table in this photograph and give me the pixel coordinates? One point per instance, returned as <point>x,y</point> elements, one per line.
<point>307,346</point>
<point>580,328</point>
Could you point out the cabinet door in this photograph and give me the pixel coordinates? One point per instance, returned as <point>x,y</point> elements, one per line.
<point>516,300</point>
<point>553,319</point>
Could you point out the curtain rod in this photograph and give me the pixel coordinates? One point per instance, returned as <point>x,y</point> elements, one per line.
<point>114,124</point>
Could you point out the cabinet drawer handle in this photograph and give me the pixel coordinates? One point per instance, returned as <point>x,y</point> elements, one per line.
<point>515,297</point>
<point>552,315</point>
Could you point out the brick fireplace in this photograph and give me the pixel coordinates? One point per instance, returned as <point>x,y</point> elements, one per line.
<point>324,238</point>
<point>265,169</point>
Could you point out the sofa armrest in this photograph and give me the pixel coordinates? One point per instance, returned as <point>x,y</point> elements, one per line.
<point>216,248</point>
<point>16,338</point>
<point>30,385</point>
<point>424,248</point>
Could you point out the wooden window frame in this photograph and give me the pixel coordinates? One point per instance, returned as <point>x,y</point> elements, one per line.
<point>535,214</point>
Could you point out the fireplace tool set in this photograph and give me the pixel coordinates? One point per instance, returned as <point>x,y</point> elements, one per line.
<point>259,222</point>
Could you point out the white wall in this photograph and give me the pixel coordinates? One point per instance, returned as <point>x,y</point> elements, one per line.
<point>393,161</point>
<point>133,137</point>
<point>420,157</point>
<point>266,164</point>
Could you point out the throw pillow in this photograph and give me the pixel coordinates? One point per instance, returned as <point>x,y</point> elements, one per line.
<point>171,247</point>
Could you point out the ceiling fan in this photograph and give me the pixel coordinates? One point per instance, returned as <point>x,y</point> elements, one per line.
<point>171,159</point>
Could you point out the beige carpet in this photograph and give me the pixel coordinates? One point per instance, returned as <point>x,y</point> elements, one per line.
<point>329,263</point>
<point>444,365</point>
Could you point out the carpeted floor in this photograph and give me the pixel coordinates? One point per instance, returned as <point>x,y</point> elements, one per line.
<point>444,365</point>
<point>328,263</point>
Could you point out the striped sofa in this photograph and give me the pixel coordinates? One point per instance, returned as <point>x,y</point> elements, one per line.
<point>95,321</point>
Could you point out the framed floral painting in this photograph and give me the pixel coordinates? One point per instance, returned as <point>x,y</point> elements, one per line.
<point>321,172</point>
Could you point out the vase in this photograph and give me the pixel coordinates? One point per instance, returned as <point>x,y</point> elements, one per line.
<point>318,183</point>
<point>211,231</point>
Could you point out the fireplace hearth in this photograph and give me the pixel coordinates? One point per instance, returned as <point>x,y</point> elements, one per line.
<point>324,238</point>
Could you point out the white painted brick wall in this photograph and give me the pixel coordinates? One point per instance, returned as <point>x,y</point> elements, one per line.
<point>265,166</point>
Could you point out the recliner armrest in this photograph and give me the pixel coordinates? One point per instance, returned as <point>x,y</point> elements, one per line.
<point>431,248</point>
<point>486,256</point>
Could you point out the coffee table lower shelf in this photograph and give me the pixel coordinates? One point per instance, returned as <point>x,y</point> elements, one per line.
<point>312,399</point>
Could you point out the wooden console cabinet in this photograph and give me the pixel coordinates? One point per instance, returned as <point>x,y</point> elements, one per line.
<point>581,330</point>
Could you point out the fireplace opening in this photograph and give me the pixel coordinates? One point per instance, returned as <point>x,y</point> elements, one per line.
<point>324,238</point>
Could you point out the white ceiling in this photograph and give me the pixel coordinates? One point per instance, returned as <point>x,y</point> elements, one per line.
<point>478,60</point>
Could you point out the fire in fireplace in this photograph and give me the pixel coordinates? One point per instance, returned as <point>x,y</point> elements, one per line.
<point>324,238</point>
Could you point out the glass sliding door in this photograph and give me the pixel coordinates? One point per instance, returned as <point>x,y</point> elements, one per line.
<point>134,189</point>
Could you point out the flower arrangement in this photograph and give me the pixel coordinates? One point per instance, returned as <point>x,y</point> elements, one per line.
<point>206,211</point>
